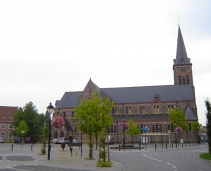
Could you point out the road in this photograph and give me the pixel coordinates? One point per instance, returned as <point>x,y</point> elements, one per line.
<point>181,159</point>
<point>23,158</point>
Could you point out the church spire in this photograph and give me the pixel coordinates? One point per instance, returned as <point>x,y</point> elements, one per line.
<point>181,56</point>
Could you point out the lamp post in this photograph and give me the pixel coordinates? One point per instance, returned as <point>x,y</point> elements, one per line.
<point>124,127</point>
<point>175,133</point>
<point>82,122</point>
<point>161,136</point>
<point>117,132</point>
<point>10,132</point>
<point>50,110</point>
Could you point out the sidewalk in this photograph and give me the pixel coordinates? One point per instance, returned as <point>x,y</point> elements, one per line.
<point>28,156</point>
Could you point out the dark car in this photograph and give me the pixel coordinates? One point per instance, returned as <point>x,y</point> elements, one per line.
<point>17,140</point>
<point>28,140</point>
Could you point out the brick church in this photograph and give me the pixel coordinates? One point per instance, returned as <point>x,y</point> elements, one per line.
<point>148,106</point>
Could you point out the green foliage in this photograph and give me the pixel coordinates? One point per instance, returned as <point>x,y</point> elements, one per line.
<point>34,121</point>
<point>43,148</point>
<point>196,126</point>
<point>93,115</point>
<point>21,127</point>
<point>205,156</point>
<point>133,129</point>
<point>177,118</point>
<point>208,115</point>
<point>104,164</point>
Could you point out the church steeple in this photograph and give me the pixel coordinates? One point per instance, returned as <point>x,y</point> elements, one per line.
<point>181,56</point>
<point>182,66</point>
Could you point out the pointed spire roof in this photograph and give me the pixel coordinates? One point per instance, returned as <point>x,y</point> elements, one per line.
<point>190,115</point>
<point>181,57</point>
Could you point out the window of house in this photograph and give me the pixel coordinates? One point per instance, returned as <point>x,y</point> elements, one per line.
<point>10,135</point>
<point>141,126</point>
<point>10,126</point>
<point>62,134</point>
<point>183,80</point>
<point>115,129</point>
<point>2,135</point>
<point>153,128</point>
<point>156,128</point>
<point>142,109</point>
<point>187,79</point>
<point>170,107</point>
<point>127,110</point>
<point>156,109</point>
<point>180,80</point>
<point>112,128</point>
<point>190,127</point>
<point>3,126</point>
<point>169,128</point>
<point>114,110</point>
<point>64,115</point>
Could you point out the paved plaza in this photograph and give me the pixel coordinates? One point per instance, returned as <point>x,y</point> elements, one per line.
<point>19,157</point>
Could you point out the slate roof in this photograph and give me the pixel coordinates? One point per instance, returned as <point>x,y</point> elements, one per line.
<point>181,51</point>
<point>135,94</point>
<point>190,115</point>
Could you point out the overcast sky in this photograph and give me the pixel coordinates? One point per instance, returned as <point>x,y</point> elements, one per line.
<point>48,47</point>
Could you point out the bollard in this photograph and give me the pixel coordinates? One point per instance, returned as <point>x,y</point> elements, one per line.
<point>32,147</point>
<point>119,147</point>
<point>172,145</point>
<point>76,157</point>
<point>71,157</point>
<point>182,145</point>
<point>155,146</point>
<point>166,146</point>
<point>176,145</point>
<point>12,147</point>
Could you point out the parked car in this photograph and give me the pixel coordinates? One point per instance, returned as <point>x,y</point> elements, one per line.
<point>28,140</point>
<point>63,140</point>
<point>55,141</point>
<point>74,141</point>
<point>1,140</point>
<point>17,140</point>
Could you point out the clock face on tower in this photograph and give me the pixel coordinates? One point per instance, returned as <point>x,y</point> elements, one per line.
<point>183,72</point>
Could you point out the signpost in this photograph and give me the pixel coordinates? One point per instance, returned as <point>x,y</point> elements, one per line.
<point>22,132</point>
<point>145,129</point>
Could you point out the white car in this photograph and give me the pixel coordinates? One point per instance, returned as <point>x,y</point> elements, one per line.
<point>1,140</point>
<point>55,141</point>
<point>74,141</point>
<point>62,140</point>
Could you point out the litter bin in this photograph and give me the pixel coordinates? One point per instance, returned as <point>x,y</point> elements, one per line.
<point>63,146</point>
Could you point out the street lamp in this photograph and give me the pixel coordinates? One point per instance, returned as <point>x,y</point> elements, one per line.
<point>175,133</point>
<point>124,127</point>
<point>82,122</point>
<point>161,136</point>
<point>50,110</point>
<point>117,132</point>
<point>10,132</point>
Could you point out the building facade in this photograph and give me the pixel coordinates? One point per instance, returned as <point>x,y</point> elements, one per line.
<point>6,117</point>
<point>148,106</point>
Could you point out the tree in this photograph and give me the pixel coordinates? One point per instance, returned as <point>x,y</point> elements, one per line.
<point>34,121</point>
<point>89,114</point>
<point>196,127</point>
<point>178,119</point>
<point>22,129</point>
<point>133,129</point>
<point>208,125</point>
